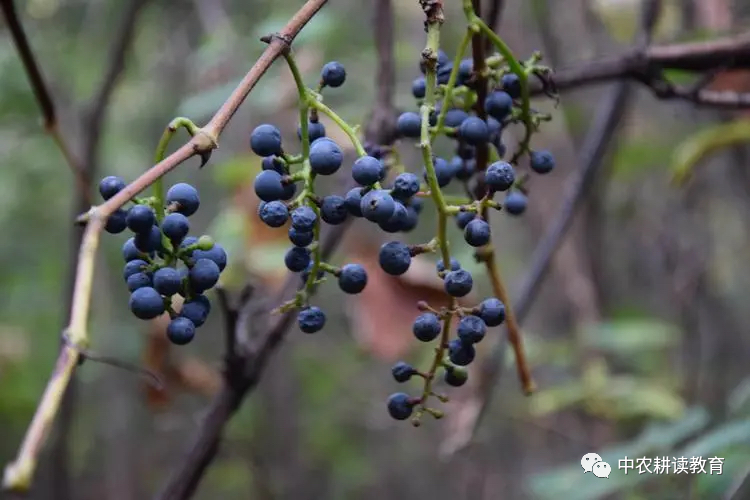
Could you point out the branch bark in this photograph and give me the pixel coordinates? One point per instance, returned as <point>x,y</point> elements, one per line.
<point>645,65</point>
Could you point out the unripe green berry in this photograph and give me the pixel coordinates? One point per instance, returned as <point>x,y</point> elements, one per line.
<point>205,243</point>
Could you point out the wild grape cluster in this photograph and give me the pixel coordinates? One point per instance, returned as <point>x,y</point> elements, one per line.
<point>161,260</point>
<point>461,124</point>
<point>395,206</point>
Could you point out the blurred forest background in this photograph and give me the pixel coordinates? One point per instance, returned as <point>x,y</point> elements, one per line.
<point>638,339</point>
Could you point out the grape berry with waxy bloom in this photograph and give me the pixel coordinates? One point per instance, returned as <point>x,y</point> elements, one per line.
<point>162,261</point>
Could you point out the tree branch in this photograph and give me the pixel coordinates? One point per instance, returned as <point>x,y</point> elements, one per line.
<point>645,65</point>
<point>18,475</point>
<point>242,376</point>
<point>41,91</point>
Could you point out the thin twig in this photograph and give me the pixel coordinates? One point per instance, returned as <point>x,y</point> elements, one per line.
<point>18,475</point>
<point>487,254</point>
<point>238,383</point>
<point>642,65</point>
<point>95,114</point>
<point>493,18</point>
<point>41,91</point>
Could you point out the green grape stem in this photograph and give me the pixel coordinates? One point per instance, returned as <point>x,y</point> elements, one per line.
<point>428,106</point>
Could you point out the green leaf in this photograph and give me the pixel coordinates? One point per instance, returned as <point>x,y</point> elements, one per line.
<point>630,397</point>
<point>631,336</point>
<point>638,155</point>
<point>693,150</point>
<point>229,228</point>
<point>715,441</point>
<point>556,399</point>
<point>203,104</point>
<point>236,171</point>
<point>267,257</point>
<point>739,399</point>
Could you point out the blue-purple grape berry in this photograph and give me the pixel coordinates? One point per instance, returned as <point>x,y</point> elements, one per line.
<point>203,275</point>
<point>377,206</point>
<point>455,265</point>
<point>110,186</point>
<point>474,131</point>
<point>273,213</point>
<point>301,238</point>
<point>146,303</point>
<point>511,84</point>
<point>458,283</point>
<point>419,88</point>
<point>459,353</point>
<point>515,203</point>
<point>333,74</point>
<point>352,278</point>
<point>311,319</point>
<point>304,218</point>
<point>477,232</point>
<point>400,406</point>
<point>196,309</point>
<point>498,105</point>
<point>265,140</point>
<point>138,280</point>
<point>167,281</point>
<point>326,156</point>
<point>398,219</point>
<point>405,186</point>
<point>394,258</point>
<point>471,329</point>
<point>455,117</point>
<point>132,267</point>
<point>216,254</point>
<point>150,241</point>
<point>180,331</point>
<point>129,251</point>
<point>426,327</point>
<point>140,218</point>
<point>409,124</point>
<point>500,176</point>
<point>402,372</point>
<point>367,170</point>
<point>297,259</point>
<point>542,162</point>
<point>315,130</point>
<point>353,199</point>
<point>492,311</point>
<point>443,171</point>
<point>117,222</point>
<point>268,185</point>
<point>175,226</point>
<point>465,68</point>
<point>333,210</point>
<point>463,219</point>
<point>185,197</point>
